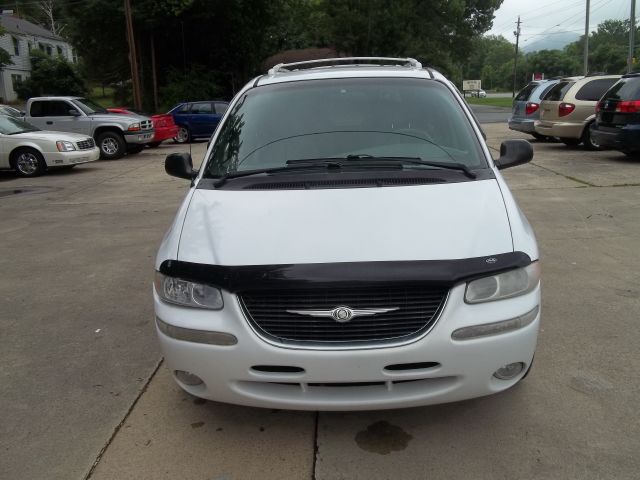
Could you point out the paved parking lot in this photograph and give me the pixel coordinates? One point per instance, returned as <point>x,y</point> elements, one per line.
<point>84,391</point>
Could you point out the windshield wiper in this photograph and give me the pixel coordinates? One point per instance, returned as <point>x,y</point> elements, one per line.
<point>246,173</point>
<point>357,159</point>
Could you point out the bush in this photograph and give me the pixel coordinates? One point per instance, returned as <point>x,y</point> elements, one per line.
<point>51,76</point>
<point>199,83</point>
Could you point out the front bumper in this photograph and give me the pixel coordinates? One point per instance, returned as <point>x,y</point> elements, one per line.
<point>559,129</point>
<point>139,138</point>
<point>61,159</point>
<point>465,367</point>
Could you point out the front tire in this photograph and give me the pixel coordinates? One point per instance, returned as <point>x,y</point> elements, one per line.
<point>183,135</point>
<point>111,145</point>
<point>154,144</point>
<point>28,162</point>
<point>539,137</point>
<point>135,149</point>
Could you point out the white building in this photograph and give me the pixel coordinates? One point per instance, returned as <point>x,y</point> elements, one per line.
<point>19,39</point>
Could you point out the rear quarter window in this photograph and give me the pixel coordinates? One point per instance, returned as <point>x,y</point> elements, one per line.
<point>625,89</point>
<point>540,93</point>
<point>592,91</point>
<point>525,93</point>
<point>558,92</point>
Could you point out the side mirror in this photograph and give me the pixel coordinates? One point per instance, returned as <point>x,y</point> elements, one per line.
<point>74,113</point>
<point>514,152</point>
<point>180,165</point>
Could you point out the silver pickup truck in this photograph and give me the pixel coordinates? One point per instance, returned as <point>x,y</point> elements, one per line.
<point>115,134</point>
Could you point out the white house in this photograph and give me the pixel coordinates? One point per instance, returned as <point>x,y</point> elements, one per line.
<point>19,39</point>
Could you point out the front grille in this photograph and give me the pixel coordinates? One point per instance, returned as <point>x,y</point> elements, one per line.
<point>146,124</point>
<point>86,144</point>
<point>417,309</point>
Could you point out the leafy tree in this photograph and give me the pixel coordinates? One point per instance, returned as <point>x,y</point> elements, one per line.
<point>198,84</point>
<point>51,76</point>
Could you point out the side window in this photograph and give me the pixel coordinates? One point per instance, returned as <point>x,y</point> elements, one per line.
<point>221,108</point>
<point>545,90</point>
<point>201,108</point>
<point>556,94</point>
<point>59,108</point>
<point>523,94</point>
<point>593,90</point>
<point>38,109</point>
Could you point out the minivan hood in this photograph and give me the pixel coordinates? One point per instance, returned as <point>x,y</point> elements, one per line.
<point>432,222</point>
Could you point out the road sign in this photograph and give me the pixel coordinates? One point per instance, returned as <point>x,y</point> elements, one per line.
<point>471,85</point>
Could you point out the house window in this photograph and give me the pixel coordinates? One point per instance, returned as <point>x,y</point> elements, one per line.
<point>59,50</point>
<point>41,46</point>
<point>49,50</point>
<point>29,45</point>
<point>16,46</point>
<point>15,80</point>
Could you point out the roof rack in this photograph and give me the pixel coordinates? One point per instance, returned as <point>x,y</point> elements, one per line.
<point>358,61</point>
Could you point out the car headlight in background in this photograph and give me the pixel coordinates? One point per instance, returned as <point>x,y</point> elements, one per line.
<point>503,285</point>
<point>188,294</point>
<point>64,146</point>
<point>134,127</point>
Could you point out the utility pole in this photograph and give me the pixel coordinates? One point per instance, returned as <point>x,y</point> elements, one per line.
<point>515,60</point>
<point>586,41</point>
<point>133,58</point>
<point>632,32</point>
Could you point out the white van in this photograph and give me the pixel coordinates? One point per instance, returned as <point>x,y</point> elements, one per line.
<point>348,244</point>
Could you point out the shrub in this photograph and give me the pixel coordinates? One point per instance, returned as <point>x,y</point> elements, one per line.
<point>51,76</point>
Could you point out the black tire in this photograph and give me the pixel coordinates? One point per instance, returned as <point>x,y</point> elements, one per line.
<point>183,136</point>
<point>135,149</point>
<point>111,145</point>
<point>570,142</point>
<point>540,138</point>
<point>154,144</point>
<point>587,140</point>
<point>28,162</point>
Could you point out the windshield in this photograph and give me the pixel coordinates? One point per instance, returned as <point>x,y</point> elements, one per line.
<point>11,126</point>
<point>89,106</point>
<point>336,118</point>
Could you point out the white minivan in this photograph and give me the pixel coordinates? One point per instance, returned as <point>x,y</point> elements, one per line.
<point>348,243</point>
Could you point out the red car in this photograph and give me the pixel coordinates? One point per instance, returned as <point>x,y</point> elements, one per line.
<point>165,127</point>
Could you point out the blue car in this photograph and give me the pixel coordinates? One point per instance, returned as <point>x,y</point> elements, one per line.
<point>197,119</point>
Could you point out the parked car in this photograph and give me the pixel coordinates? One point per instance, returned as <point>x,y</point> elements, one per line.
<point>569,108</point>
<point>163,125</point>
<point>526,107</point>
<point>114,134</point>
<point>9,110</point>
<point>339,249</point>
<point>197,119</point>
<point>478,93</point>
<point>31,151</point>
<point>617,124</point>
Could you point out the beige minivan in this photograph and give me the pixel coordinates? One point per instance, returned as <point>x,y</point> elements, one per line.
<point>569,108</point>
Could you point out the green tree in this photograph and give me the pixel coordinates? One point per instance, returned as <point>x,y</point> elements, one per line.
<point>51,76</point>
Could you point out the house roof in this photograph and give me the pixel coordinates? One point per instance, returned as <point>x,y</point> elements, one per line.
<point>20,26</point>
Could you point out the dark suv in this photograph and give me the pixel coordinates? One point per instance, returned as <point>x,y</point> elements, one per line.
<point>617,124</point>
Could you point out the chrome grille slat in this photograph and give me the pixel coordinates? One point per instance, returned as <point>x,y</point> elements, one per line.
<point>86,144</point>
<point>417,309</point>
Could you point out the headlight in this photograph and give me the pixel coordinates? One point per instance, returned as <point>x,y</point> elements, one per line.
<point>134,127</point>
<point>188,294</point>
<point>64,146</point>
<point>504,285</point>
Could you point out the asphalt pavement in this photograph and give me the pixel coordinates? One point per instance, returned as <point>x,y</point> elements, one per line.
<point>85,394</point>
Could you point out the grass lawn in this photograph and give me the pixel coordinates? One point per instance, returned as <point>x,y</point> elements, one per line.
<point>494,102</point>
<point>106,100</point>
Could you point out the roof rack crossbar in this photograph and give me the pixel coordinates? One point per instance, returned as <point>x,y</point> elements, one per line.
<point>328,62</point>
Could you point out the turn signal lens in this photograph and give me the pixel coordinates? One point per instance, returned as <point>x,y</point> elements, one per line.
<point>496,328</point>
<point>565,109</point>
<point>531,107</point>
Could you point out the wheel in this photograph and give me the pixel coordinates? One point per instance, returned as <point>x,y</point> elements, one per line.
<point>570,142</point>
<point>28,162</point>
<point>154,144</point>
<point>539,137</point>
<point>183,135</point>
<point>588,141</point>
<point>135,149</point>
<point>111,145</point>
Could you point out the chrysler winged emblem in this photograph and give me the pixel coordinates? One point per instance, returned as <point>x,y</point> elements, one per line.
<point>343,314</point>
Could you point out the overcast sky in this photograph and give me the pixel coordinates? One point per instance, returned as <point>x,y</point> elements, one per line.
<point>551,17</point>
